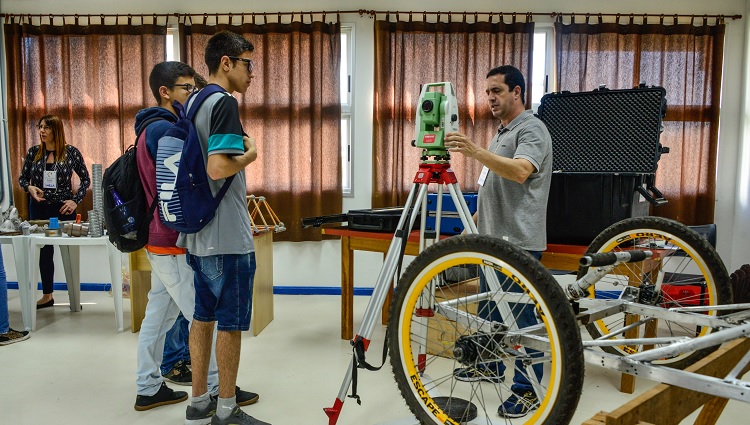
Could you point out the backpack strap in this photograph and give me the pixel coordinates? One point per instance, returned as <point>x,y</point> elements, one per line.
<point>144,126</point>
<point>201,96</point>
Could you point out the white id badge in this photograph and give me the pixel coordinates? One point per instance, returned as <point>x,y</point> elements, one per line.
<point>483,176</point>
<point>50,179</point>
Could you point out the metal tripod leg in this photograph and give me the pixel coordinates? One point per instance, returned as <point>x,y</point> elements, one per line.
<point>382,285</point>
<point>428,173</point>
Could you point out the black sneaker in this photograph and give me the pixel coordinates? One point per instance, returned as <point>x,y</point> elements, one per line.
<point>491,372</point>
<point>242,397</point>
<point>13,336</point>
<point>238,417</point>
<point>195,416</point>
<point>164,396</point>
<point>245,398</point>
<point>518,405</point>
<point>180,374</point>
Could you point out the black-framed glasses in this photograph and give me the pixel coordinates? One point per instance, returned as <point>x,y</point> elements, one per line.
<point>249,62</point>
<point>189,87</point>
<point>41,127</point>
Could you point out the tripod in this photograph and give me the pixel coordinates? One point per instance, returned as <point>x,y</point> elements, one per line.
<point>429,172</point>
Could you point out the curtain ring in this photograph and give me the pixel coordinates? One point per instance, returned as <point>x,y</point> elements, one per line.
<point>601,19</point>
<point>587,18</point>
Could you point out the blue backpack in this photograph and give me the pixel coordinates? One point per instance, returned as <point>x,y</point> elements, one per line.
<point>186,203</point>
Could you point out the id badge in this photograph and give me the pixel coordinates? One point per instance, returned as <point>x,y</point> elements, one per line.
<point>483,176</point>
<point>50,179</point>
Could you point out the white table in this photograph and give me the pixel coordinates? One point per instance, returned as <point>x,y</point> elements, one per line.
<point>71,257</point>
<point>20,245</point>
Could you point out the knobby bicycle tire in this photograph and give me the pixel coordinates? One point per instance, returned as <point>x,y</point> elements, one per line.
<point>424,340</point>
<point>694,274</point>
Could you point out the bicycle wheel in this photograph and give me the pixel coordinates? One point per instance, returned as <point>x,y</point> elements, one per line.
<point>693,275</point>
<point>449,317</point>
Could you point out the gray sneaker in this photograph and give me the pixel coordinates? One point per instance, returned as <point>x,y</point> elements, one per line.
<point>238,417</point>
<point>195,416</point>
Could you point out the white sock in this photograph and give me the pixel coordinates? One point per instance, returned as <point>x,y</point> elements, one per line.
<point>225,406</point>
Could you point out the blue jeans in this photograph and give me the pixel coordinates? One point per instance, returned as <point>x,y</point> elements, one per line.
<point>4,325</point>
<point>524,315</point>
<point>171,292</point>
<point>224,289</point>
<point>176,345</point>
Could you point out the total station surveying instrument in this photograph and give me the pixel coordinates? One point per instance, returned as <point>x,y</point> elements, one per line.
<point>437,114</point>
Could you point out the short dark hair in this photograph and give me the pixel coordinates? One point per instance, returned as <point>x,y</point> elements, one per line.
<point>166,74</point>
<point>224,43</point>
<point>513,78</point>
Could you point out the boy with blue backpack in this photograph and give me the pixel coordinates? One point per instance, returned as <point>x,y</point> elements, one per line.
<point>222,254</point>
<point>172,287</point>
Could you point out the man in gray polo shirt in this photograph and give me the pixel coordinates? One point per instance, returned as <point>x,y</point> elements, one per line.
<point>513,191</point>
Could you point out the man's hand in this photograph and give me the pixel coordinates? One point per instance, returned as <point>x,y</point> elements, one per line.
<point>36,193</point>
<point>458,142</point>
<point>250,147</point>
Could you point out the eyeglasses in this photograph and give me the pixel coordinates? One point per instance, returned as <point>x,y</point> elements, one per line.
<point>41,127</point>
<point>249,62</point>
<point>189,87</point>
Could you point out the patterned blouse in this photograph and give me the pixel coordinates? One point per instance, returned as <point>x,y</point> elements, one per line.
<point>33,174</point>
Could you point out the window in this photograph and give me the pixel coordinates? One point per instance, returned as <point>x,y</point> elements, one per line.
<point>346,68</point>
<point>173,48</point>
<point>542,65</point>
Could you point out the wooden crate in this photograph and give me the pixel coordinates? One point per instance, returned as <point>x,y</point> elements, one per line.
<point>442,332</point>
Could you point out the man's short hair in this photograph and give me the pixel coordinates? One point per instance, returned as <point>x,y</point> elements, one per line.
<point>225,43</point>
<point>513,78</point>
<point>166,74</point>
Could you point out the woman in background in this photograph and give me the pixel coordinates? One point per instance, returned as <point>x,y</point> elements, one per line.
<point>46,176</point>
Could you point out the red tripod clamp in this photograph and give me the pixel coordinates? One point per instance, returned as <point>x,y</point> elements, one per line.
<point>440,172</point>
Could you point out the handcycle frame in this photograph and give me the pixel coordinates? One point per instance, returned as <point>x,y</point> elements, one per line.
<point>641,364</point>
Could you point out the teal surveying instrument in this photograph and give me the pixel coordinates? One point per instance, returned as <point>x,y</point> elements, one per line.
<point>437,114</point>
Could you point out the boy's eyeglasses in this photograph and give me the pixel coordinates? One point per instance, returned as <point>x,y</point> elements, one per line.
<point>249,62</point>
<point>189,87</point>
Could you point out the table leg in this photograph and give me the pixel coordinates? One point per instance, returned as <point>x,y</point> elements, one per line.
<point>25,290</point>
<point>71,259</point>
<point>387,304</point>
<point>347,289</point>
<point>33,270</point>
<point>115,273</point>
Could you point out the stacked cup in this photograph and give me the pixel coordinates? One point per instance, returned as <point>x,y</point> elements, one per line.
<point>96,215</point>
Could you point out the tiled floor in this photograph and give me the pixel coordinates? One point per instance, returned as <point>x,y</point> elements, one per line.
<point>76,369</point>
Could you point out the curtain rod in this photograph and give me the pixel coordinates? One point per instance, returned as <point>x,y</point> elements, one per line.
<point>552,14</point>
<point>372,13</point>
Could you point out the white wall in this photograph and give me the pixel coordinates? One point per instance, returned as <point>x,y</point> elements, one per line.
<point>318,264</point>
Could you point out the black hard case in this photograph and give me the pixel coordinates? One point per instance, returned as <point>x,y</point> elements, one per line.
<point>606,150</point>
<point>372,220</point>
<point>605,131</point>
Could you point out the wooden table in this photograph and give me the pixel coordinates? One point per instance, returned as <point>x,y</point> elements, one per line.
<point>559,257</point>
<point>262,314</point>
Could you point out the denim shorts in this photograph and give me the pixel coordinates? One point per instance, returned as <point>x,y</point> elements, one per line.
<point>224,289</point>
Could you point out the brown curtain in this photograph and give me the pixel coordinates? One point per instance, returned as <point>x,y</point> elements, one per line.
<point>292,109</point>
<point>685,59</point>
<point>94,77</point>
<point>408,54</point>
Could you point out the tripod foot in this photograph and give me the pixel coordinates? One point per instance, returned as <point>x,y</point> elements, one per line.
<point>334,412</point>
